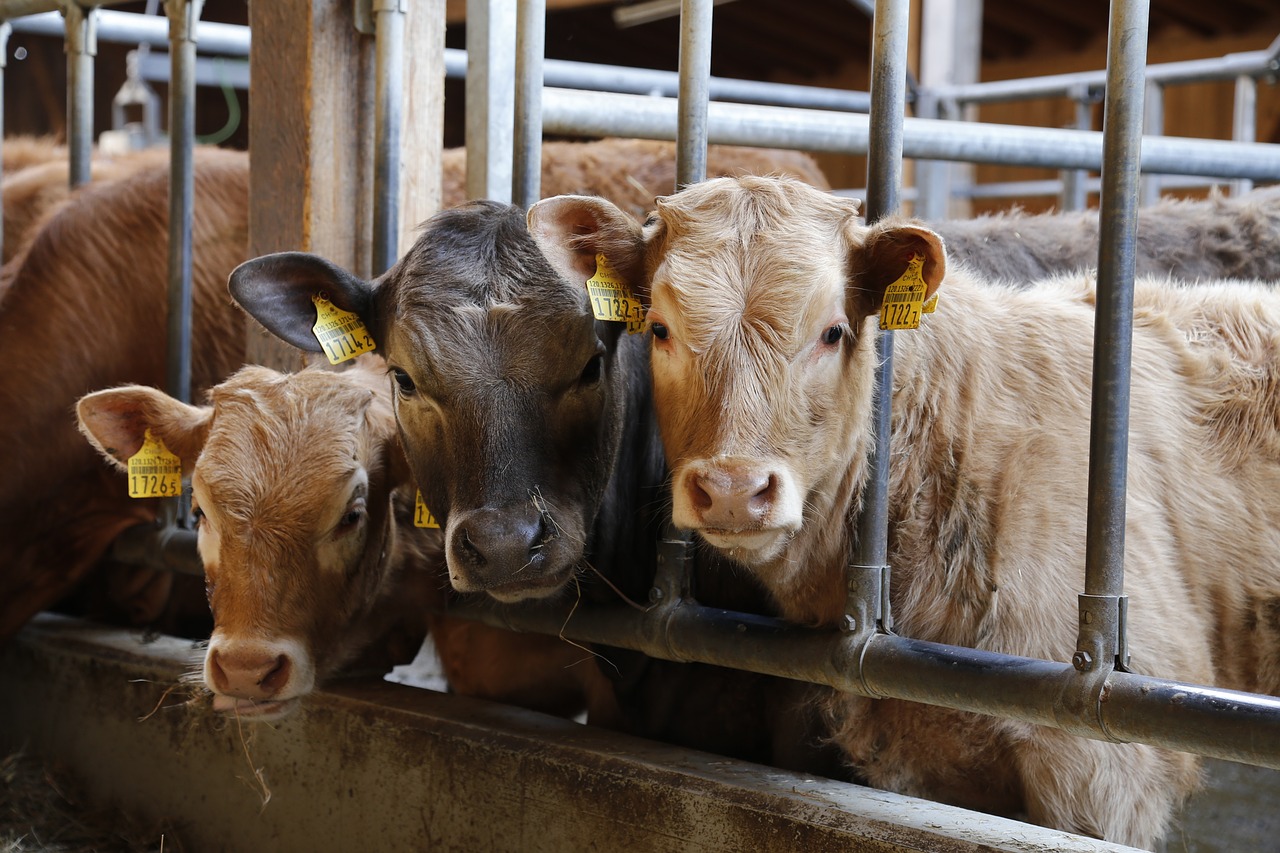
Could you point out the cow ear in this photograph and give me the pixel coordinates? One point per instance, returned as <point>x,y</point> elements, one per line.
<point>277,291</point>
<point>116,421</point>
<point>572,229</point>
<point>879,255</point>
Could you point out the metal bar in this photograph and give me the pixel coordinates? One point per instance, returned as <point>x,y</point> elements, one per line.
<point>214,71</point>
<point>81,47</point>
<point>1075,195</point>
<point>574,113</point>
<point>1254,63</point>
<point>1152,125</point>
<point>5,30</point>
<point>133,28</point>
<point>1101,637</point>
<point>389,17</point>
<point>490,97</point>
<point>867,581</point>
<point>1221,723</point>
<point>695,71</point>
<point>531,36</point>
<point>563,73</point>
<point>1244,122</point>
<point>182,120</point>
<point>10,9</point>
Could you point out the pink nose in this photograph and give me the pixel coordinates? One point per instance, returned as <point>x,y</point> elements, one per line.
<point>732,497</point>
<point>248,674</point>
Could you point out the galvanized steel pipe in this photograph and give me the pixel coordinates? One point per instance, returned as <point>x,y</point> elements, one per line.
<point>1101,627</point>
<point>81,47</point>
<point>182,15</point>
<point>1209,721</point>
<point>695,74</point>
<point>490,97</point>
<point>389,19</point>
<point>531,34</point>
<point>133,28</point>
<point>575,113</point>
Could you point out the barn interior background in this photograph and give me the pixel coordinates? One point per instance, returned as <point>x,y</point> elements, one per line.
<point>823,43</point>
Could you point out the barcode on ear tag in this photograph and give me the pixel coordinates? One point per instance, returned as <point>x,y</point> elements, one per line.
<point>341,333</point>
<point>154,472</point>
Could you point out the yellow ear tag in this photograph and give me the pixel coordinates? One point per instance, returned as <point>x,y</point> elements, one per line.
<point>611,299</point>
<point>154,472</point>
<point>422,516</point>
<point>903,300</point>
<point>341,333</point>
<point>931,305</point>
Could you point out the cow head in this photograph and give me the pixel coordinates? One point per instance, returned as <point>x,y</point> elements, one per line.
<point>291,480</point>
<point>507,391</point>
<point>762,295</point>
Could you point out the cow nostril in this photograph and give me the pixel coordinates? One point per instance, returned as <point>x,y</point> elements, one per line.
<point>274,680</point>
<point>698,495</point>
<point>469,550</point>
<point>216,674</point>
<point>766,494</point>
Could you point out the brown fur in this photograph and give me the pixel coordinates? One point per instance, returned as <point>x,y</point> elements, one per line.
<point>280,464</point>
<point>1217,237</point>
<point>22,151</point>
<point>85,309</point>
<point>633,172</point>
<point>988,475</point>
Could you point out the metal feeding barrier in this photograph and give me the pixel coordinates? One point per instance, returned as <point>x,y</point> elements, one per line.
<point>1092,696</point>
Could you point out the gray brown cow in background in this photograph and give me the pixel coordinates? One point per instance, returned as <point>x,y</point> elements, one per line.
<point>763,295</point>
<point>1216,237</point>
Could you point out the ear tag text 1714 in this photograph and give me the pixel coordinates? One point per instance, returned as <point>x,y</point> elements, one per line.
<point>422,516</point>
<point>341,333</point>
<point>154,472</point>
<point>904,299</point>
<point>611,298</point>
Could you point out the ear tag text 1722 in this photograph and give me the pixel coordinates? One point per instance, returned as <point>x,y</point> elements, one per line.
<point>904,299</point>
<point>154,472</point>
<point>341,333</point>
<point>611,298</point>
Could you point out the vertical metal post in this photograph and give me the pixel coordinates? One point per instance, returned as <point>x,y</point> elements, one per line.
<point>389,18</point>
<point>933,177</point>
<point>531,31</point>
<point>490,97</point>
<point>182,15</point>
<point>695,87</point>
<point>1153,125</point>
<point>1101,638</point>
<point>868,583</point>
<point>5,30</point>
<point>1244,122</point>
<point>81,47</point>
<point>1075,189</point>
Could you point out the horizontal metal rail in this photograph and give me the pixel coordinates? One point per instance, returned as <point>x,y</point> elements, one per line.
<point>1130,708</point>
<point>575,113</point>
<point>1253,63</point>
<point>18,8</point>
<point>133,28</point>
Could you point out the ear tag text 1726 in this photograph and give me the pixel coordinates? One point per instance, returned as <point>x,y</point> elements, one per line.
<point>904,299</point>
<point>611,298</point>
<point>154,472</point>
<point>422,516</point>
<point>341,333</point>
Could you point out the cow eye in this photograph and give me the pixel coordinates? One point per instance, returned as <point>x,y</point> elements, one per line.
<point>403,381</point>
<point>659,331</point>
<point>591,373</point>
<point>832,336</point>
<point>352,517</point>
<point>197,515</point>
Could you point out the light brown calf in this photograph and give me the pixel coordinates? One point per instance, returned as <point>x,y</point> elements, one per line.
<point>299,482</point>
<point>763,299</point>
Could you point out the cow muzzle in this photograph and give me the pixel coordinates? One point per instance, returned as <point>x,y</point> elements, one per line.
<point>744,506</point>
<point>512,552</point>
<point>261,679</point>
